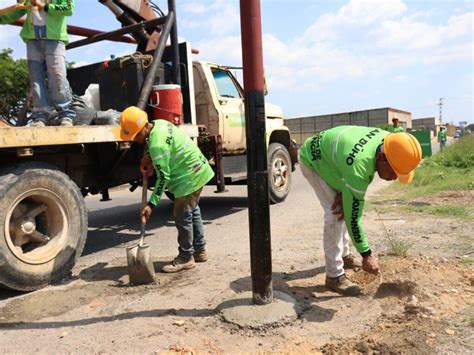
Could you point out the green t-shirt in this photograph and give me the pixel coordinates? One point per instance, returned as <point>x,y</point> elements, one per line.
<point>394,129</point>
<point>442,136</point>
<point>180,166</point>
<point>56,26</point>
<point>344,157</point>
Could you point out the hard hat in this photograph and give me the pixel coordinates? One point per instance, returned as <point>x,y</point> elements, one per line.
<point>132,120</point>
<point>403,152</point>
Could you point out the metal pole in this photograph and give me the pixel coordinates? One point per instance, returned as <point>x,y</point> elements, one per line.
<point>157,56</point>
<point>175,72</point>
<point>257,174</point>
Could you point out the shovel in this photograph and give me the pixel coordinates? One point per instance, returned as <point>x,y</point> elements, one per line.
<point>139,261</point>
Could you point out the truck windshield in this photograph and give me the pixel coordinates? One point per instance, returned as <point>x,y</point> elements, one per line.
<point>225,84</point>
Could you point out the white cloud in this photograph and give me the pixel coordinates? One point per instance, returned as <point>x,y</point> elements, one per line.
<point>220,17</point>
<point>400,77</point>
<point>356,13</point>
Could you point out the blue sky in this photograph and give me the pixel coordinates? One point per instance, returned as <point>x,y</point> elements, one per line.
<point>326,56</point>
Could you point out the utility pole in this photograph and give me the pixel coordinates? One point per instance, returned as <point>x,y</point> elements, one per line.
<point>257,169</point>
<point>440,110</point>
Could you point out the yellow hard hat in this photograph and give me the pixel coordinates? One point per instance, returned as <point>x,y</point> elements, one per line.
<point>132,120</point>
<point>403,152</point>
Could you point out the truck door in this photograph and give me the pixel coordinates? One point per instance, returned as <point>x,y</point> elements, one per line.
<point>231,109</point>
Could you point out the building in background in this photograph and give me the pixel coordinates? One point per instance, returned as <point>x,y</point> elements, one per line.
<point>305,127</point>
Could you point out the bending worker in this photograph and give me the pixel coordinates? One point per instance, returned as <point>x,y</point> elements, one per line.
<point>340,163</point>
<point>182,168</point>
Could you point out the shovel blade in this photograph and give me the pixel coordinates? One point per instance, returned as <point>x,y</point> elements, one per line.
<point>140,265</point>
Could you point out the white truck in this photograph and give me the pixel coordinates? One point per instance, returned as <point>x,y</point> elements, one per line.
<point>45,173</point>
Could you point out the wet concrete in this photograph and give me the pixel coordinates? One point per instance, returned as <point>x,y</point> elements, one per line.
<point>243,312</point>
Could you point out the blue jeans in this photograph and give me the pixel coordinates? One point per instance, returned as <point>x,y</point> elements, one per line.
<point>47,68</point>
<point>187,216</point>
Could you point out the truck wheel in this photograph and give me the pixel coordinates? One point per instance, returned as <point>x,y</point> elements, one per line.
<point>279,171</point>
<point>43,226</point>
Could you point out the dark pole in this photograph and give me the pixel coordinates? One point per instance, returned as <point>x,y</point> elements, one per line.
<point>257,175</point>
<point>175,72</point>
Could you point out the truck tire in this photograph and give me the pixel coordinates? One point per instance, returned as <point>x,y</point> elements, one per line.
<point>43,225</point>
<point>279,172</point>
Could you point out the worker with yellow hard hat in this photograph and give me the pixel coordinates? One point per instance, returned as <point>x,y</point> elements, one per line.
<point>183,169</point>
<point>340,163</point>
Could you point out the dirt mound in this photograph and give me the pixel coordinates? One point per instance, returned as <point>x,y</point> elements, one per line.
<point>418,308</point>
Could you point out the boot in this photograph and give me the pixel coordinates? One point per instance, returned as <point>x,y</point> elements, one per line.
<point>342,285</point>
<point>350,262</point>
<point>38,124</point>
<point>200,256</point>
<point>66,122</point>
<point>179,264</point>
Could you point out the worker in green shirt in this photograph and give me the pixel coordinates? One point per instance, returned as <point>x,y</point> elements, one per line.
<point>442,137</point>
<point>45,34</point>
<point>340,163</point>
<point>182,168</point>
<point>395,127</point>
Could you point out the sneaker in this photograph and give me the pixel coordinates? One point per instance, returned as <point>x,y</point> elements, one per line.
<point>66,122</point>
<point>200,256</point>
<point>343,285</point>
<point>350,262</point>
<point>38,124</point>
<point>179,264</point>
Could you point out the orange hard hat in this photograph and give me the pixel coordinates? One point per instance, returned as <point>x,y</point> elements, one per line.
<point>403,152</point>
<point>132,121</point>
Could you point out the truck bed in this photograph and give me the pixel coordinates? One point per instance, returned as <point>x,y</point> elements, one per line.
<point>22,137</point>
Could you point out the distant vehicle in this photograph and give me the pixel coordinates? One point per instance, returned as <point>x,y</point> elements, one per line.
<point>456,135</point>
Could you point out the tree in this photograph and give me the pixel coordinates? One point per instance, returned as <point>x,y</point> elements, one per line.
<point>14,85</point>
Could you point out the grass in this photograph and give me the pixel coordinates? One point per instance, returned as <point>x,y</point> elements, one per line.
<point>466,260</point>
<point>452,169</point>
<point>398,247</point>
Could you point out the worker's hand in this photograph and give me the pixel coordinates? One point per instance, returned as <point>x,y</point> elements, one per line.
<point>146,165</point>
<point>145,214</point>
<point>38,3</point>
<point>337,208</point>
<point>370,264</point>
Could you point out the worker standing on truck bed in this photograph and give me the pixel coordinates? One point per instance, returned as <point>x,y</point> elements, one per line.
<point>183,169</point>
<point>45,34</point>
<point>340,163</point>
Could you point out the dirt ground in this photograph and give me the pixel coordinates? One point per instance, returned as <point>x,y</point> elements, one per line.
<point>422,303</point>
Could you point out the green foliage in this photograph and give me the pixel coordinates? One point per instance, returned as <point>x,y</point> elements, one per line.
<point>466,260</point>
<point>398,247</point>
<point>458,155</point>
<point>14,84</point>
<point>449,210</point>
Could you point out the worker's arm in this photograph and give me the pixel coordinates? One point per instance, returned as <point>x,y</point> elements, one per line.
<point>63,8</point>
<point>160,156</point>
<point>353,205</point>
<point>12,17</point>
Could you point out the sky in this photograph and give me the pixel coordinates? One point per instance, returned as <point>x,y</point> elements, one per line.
<point>324,56</point>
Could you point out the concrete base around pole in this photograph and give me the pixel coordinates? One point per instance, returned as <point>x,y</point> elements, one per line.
<point>243,312</point>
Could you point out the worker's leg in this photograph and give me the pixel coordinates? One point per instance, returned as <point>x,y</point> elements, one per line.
<point>333,235</point>
<point>59,86</point>
<point>183,218</point>
<point>199,243</point>
<point>37,74</point>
